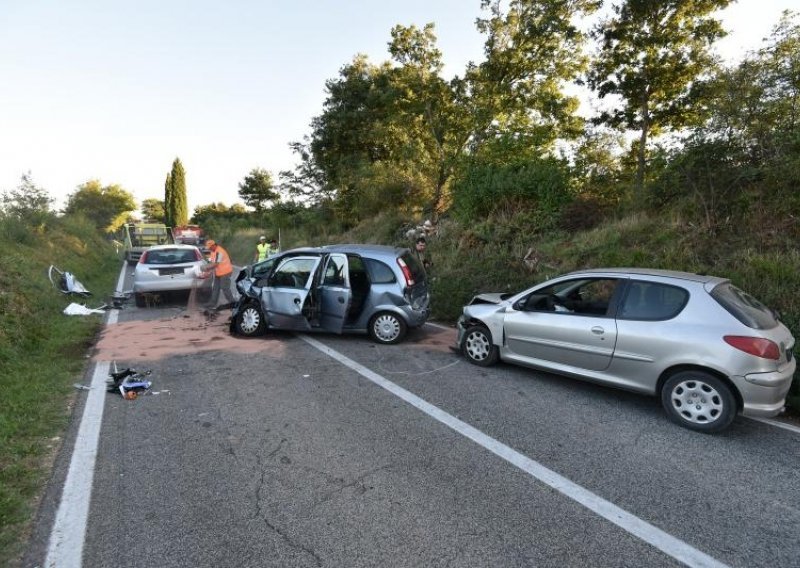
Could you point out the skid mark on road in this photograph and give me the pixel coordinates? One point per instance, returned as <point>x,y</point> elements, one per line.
<point>641,529</point>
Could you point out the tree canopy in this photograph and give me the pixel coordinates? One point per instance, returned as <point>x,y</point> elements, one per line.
<point>108,207</point>
<point>256,190</point>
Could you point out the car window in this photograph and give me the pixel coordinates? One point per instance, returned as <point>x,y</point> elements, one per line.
<point>744,307</point>
<point>652,301</point>
<point>586,296</point>
<point>170,256</point>
<point>335,271</point>
<point>379,273</point>
<point>263,268</point>
<point>293,273</point>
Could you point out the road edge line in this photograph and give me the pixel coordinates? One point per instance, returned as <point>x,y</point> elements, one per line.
<point>65,547</point>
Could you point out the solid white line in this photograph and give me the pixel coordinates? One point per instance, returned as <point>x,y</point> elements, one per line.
<point>65,548</point>
<point>777,424</point>
<point>639,528</point>
<point>69,529</point>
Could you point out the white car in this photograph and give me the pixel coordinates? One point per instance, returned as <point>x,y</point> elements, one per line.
<point>170,268</point>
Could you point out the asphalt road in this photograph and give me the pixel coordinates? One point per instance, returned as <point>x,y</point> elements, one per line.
<point>316,451</point>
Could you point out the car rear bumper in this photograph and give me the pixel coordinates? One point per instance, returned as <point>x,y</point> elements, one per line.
<point>171,285</point>
<point>764,394</point>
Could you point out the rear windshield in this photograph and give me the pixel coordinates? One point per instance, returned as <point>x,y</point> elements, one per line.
<point>417,271</point>
<point>744,307</point>
<point>170,256</point>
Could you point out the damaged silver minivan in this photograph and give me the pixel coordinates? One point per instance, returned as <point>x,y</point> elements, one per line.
<point>373,289</point>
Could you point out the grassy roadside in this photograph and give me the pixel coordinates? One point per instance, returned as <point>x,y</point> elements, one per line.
<point>42,353</point>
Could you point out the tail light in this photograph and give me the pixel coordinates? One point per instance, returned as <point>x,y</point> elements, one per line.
<point>143,258</point>
<point>406,272</point>
<point>757,346</point>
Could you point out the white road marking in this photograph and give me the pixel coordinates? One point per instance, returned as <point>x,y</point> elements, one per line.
<point>666,543</point>
<point>65,549</point>
<point>440,326</point>
<point>777,424</point>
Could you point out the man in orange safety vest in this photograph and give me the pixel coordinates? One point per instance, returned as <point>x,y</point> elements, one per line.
<point>223,269</point>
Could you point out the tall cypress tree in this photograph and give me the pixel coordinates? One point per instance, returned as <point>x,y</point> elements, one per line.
<point>179,206</point>
<point>168,201</point>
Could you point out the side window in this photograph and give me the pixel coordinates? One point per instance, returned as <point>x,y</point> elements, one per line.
<point>587,297</point>
<point>335,271</point>
<point>379,273</point>
<point>294,273</point>
<point>652,301</point>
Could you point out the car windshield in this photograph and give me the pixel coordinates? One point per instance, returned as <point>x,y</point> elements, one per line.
<point>170,256</point>
<point>744,307</point>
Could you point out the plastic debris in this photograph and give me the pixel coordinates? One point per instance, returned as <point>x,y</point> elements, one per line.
<point>129,382</point>
<point>67,283</point>
<point>81,387</point>
<point>81,310</point>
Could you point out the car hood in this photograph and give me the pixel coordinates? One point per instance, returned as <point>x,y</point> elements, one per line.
<point>490,298</point>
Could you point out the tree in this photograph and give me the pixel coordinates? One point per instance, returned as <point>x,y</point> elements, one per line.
<point>153,210</point>
<point>651,55</point>
<point>168,201</point>
<point>176,208</point>
<point>532,49</point>
<point>27,202</point>
<point>257,189</point>
<point>106,206</point>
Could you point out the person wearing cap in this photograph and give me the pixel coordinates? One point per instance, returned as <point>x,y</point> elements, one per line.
<point>220,263</point>
<point>263,249</point>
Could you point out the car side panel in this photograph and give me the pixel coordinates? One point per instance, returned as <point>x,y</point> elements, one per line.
<point>583,342</point>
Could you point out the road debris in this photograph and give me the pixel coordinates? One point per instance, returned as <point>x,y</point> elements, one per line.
<point>67,283</point>
<point>130,383</point>
<point>82,310</point>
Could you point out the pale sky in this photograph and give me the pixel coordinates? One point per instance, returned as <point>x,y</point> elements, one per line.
<point>110,90</point>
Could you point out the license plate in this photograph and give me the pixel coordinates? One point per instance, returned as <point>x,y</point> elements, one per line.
<point>170,271</point>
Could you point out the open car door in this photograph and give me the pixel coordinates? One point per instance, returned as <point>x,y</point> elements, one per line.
<point>287,299</point>
<point>334,293</point>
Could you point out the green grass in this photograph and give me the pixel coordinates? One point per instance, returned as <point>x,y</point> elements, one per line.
<point>42,352</point>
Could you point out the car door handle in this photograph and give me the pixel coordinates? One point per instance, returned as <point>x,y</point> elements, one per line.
<point>597,330</point>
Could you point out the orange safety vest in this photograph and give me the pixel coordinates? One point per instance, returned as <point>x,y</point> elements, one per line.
<point>224,267</point>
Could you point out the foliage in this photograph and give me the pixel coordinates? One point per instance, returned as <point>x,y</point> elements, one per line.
<point>651,55</point>
<point>531,49</point>
<point>28,202</point>
<point>107,207</point>
<point>176,207</point>
<point>539,186</point>
<point>153,210</point>
<point>257,189</point>
<point>41,354</point>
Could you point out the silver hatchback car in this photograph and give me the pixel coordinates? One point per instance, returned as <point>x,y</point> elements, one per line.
<point>380,290</point>
<point>705,347</point>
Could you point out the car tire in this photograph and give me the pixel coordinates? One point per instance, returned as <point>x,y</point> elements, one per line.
<point>478,348</point>
<point>387,328</point>
<point>139,299</point>
<point>249,321</point>
<point>699,401</point>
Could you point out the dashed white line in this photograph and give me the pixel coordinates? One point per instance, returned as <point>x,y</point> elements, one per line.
<point>666,543</point>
